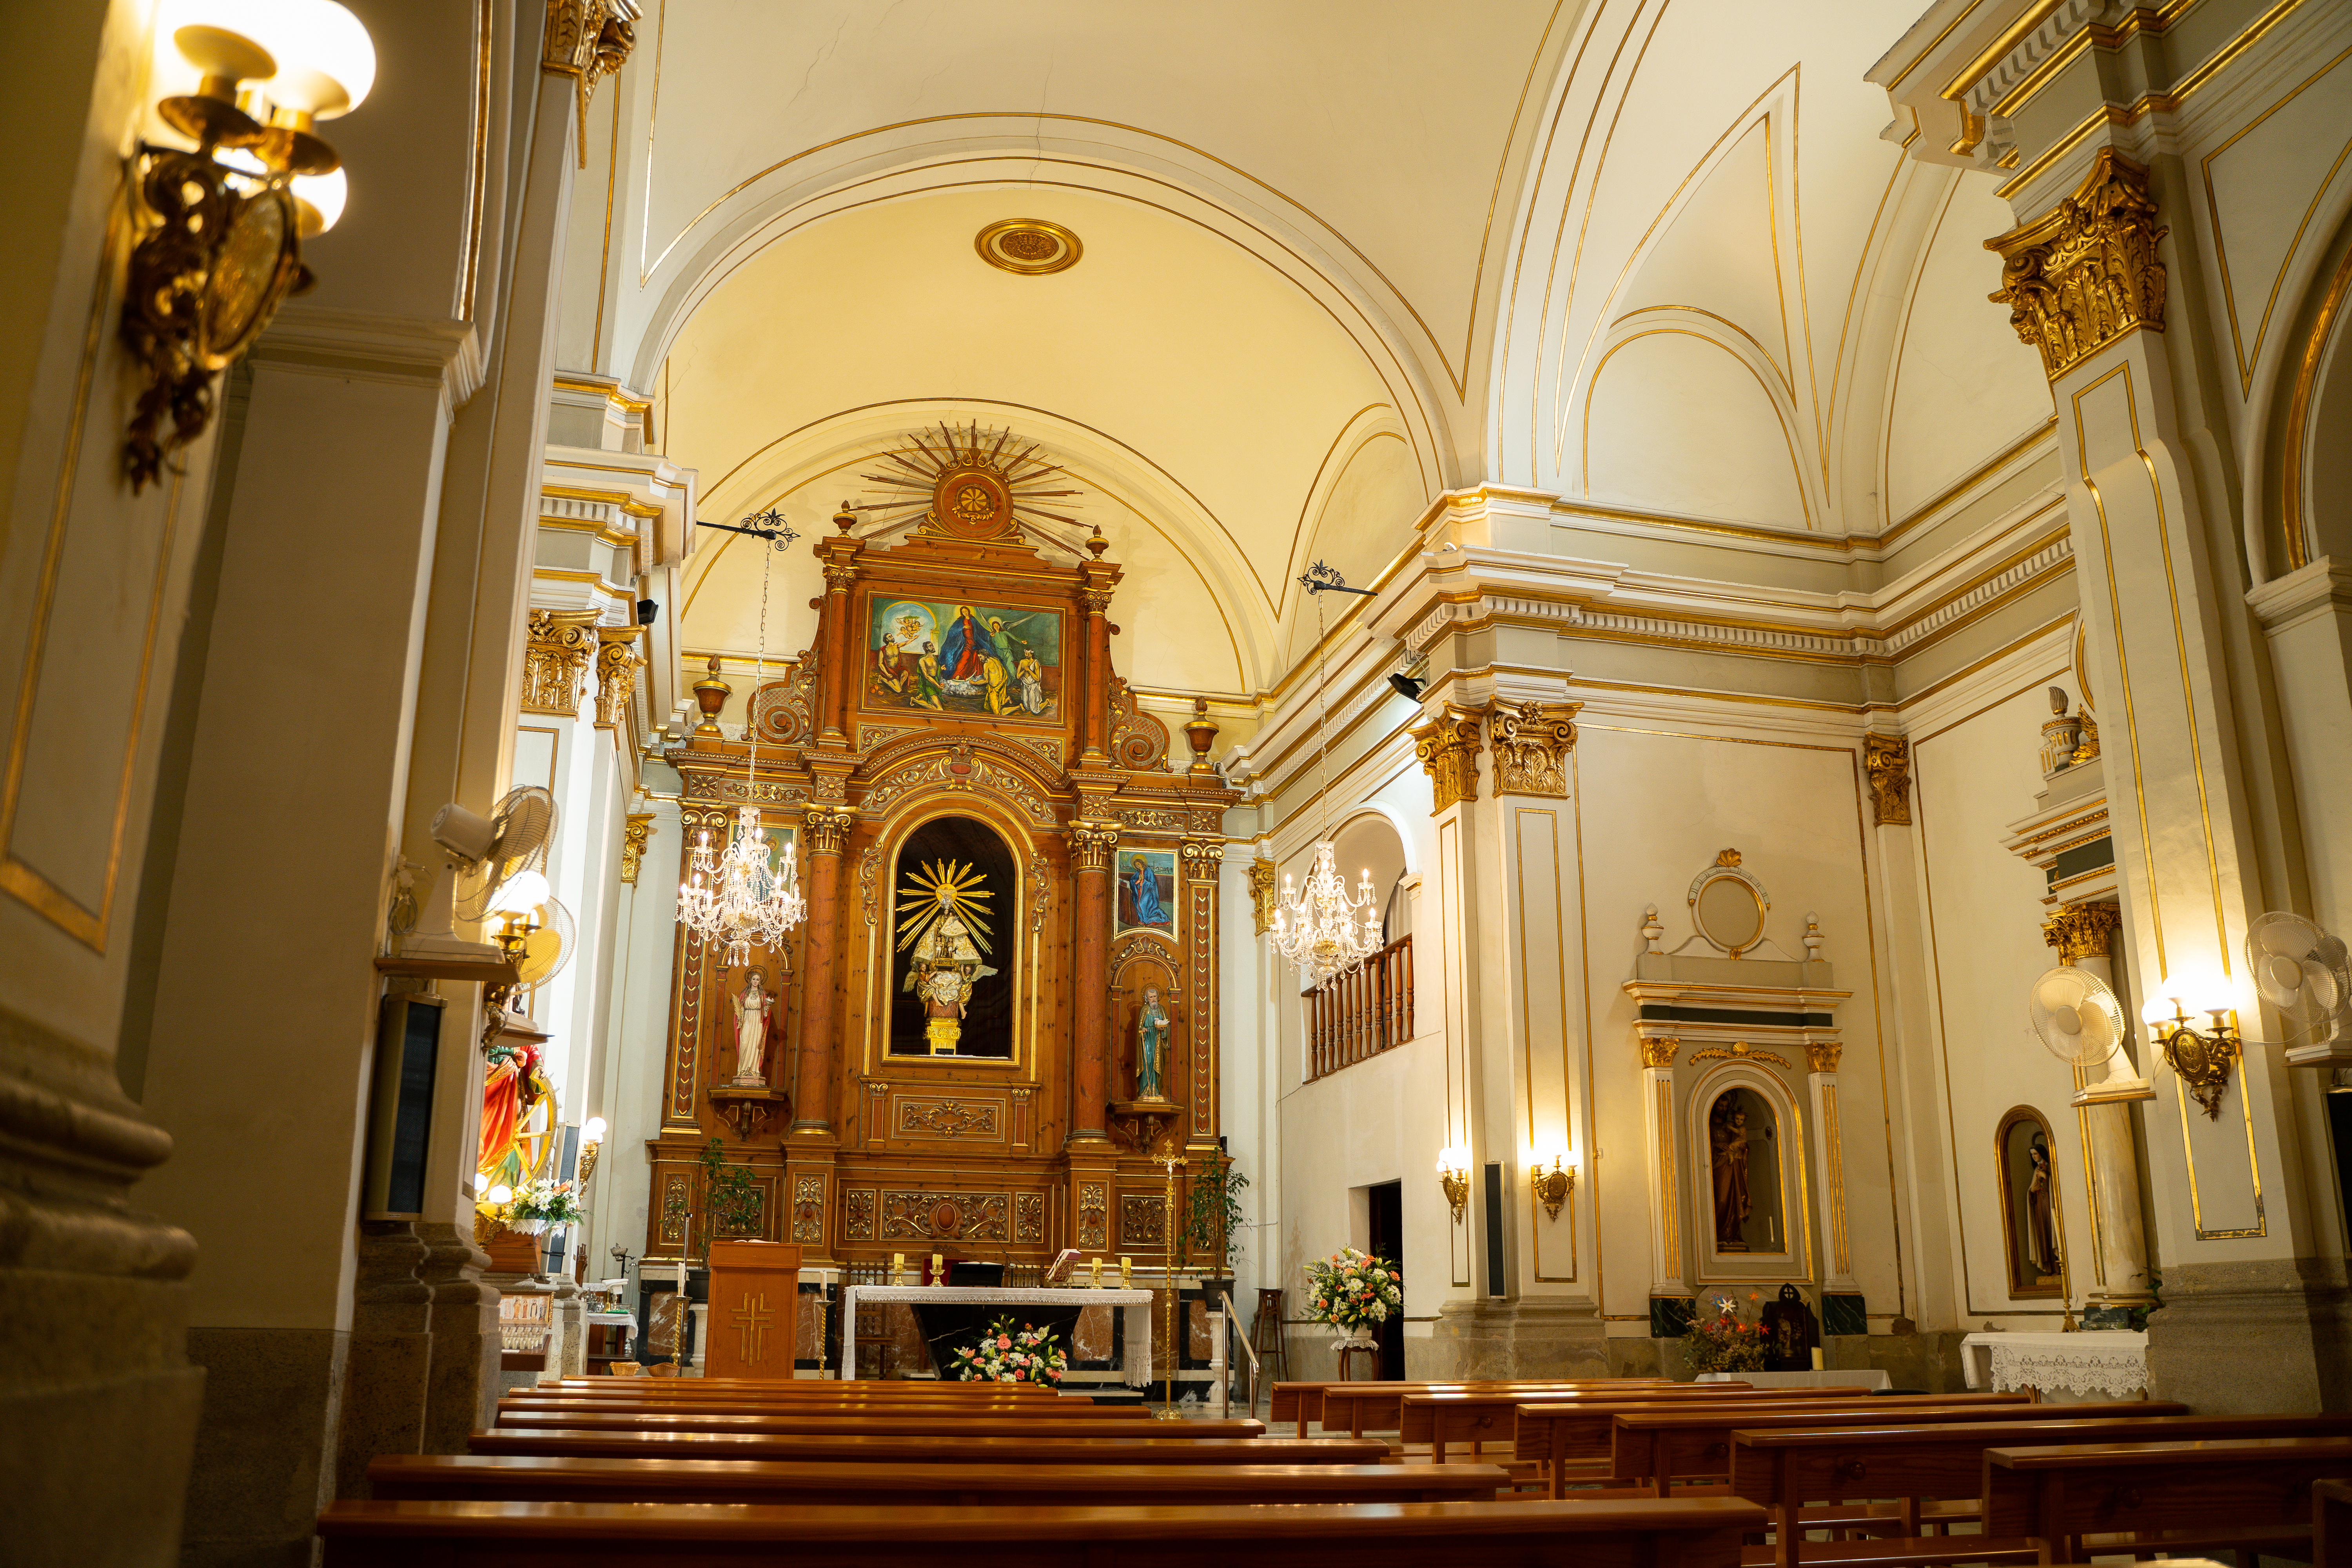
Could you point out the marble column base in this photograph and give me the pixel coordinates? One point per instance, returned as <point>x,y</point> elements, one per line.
<point>461,1389</point>
<point>1533,1337</point>
<point>265,1447</point>
<point>2253,1338</point>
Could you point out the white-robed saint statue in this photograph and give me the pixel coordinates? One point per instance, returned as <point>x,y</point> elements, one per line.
<point>752,1006</point>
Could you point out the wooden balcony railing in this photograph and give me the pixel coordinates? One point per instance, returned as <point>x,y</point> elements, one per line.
<point>1362,1012</point>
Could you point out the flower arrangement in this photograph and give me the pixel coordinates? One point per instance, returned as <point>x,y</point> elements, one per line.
<point>542,1205</point>
<point>1007,1354</point>
<point>1727,1342</point>
<point>1353,1290</point>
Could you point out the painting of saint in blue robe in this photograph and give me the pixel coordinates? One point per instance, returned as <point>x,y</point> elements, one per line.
<point>1147,890</point>
<point>964,659</point>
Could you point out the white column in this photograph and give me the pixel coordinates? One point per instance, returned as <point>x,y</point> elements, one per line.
<point>1668,1226</point>
<point>1822,1051</point>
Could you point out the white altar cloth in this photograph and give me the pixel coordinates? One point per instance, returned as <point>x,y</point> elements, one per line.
<point>2110,1362</point>
<point>1135,1369</point>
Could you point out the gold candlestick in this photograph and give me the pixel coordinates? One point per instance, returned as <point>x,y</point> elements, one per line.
<point>1168,1236</point>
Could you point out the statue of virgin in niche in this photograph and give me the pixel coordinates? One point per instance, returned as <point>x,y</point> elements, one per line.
<point>1150,1046</point>
<point>752,1005</point>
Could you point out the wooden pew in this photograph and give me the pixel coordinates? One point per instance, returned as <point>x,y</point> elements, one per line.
<point>786,1388</point>
<point>1478,1416</point>
<point>2331,1524</point>
<point>846,1423</point>
<point>1913,1465</point>
<point>512,1412</point>
<point>1557,1435</point>
<point>1698,1532</point>
<point>1303,1402</point>
<point>1661,1446</point>
<point>1380,1406</point>
<point>460,1477</point>
<point>933,1447</point>
<point>2245,1494</point>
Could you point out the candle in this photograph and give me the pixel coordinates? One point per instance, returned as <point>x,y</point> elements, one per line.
<point>681,1275</point>
<point>1817,1358</point>
<point>898,1266</point>
<point>1125,1272</point>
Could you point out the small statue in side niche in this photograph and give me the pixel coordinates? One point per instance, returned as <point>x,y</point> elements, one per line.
<point>1791,1333</point>
<point>1150,1046</point>
<point>1728,1132</point>
<point>753,1007</point>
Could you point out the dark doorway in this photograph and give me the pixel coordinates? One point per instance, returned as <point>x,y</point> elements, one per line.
<point>1387,1237</point>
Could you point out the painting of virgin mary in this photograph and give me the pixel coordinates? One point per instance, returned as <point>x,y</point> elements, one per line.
<point>1147,890</point>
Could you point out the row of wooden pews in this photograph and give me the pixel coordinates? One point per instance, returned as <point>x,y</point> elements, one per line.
<point>888,1473</point>
<point>1859,1480</point>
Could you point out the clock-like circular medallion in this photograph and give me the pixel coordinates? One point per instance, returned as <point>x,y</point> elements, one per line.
<point>1029,245</point>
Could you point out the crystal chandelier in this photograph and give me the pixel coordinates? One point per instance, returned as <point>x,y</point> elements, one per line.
<point>735,896</point>
<point>1317,931</point>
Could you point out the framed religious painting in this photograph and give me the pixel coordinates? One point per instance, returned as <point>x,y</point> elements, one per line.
<point>1147,890</point>
<point>963,659</point>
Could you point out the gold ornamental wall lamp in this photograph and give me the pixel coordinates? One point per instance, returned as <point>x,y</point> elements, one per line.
<point>1453,1175</point>
<point>222,226</point>
<point>1552,1176</point>
<point>2201,1056</point>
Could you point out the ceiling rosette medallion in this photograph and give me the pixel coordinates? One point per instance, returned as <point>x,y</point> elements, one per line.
<point>1028,246</point>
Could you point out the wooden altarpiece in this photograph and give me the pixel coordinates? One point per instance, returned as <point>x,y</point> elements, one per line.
<point>960,709</point>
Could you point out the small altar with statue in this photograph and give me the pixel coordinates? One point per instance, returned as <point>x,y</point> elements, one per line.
<point>1002,999</point>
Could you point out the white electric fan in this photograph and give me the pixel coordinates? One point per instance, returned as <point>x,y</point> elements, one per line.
<point>2079,1019</point>
<point>2303,971</point>
<point>482,854</point>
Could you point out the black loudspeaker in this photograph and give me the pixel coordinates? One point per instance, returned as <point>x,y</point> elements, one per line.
<point>1498,1282</point>
<point>646,610</point>
<point>400,1106</point>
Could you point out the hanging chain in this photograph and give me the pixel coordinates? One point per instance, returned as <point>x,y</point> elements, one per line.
<point>1323,719</point>
<point>758,673</point>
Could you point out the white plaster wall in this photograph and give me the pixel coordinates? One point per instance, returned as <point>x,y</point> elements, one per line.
<point>1973,775</point>
<point>631,1094</point>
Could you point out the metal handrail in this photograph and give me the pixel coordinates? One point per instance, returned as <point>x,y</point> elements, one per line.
<point>1232,1313</point>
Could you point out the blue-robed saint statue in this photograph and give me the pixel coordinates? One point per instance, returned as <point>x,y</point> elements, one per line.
<point>966,649</point>
<point>1144,889</point>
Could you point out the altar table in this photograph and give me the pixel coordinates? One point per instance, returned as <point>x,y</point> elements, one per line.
<point>1135,1368</point>
<point>2110,1363</point>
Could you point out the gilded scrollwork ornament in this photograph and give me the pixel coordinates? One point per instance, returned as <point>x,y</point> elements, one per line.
<point>1886,763</point>
<point>2085,273</point>
<point>1531,742</point>
<point>635,832</point>
<point>1659,1051</point>
<point>589,39</point>
<point>1262,893</point>
<point>1447,747</point>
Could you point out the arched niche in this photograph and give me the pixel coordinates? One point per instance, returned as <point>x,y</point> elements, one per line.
<point>1142,962</point>
<point>1773,1239</point>
<point>2027,1166</point>
<point>1369,842</point>
<point>974,858</point>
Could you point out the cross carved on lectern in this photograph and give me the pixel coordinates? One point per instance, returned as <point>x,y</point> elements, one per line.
<point>752,1328</point>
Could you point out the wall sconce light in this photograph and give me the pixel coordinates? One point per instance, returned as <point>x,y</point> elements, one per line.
<point>592,1144</point>
<point>1453,1175</point>
<point>2200,1056</point>
<point>1552,1177</point>
<point>224,224</point>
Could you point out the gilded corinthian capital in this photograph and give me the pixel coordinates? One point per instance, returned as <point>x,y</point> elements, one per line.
<point>1531,742</point>
<point>1448,749</point>
<point>1092,839</point>
<point>2085,273</point>
<point>556,655</point>
<point>2082,931</point>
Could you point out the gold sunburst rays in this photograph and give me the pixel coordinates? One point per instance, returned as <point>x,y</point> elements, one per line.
<point>934,888</point>
<point>964,484</point>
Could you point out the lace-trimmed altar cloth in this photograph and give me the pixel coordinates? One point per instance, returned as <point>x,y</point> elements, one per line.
<point>1135,1365</point>
<point>2108,1362</point>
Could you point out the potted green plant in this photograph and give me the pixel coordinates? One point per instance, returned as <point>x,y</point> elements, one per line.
<point>1213,1222</point>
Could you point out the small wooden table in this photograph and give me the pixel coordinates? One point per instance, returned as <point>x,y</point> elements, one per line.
<point>1347,1353</point>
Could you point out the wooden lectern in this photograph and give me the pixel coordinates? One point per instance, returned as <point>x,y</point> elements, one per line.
<point>755,1288</point>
